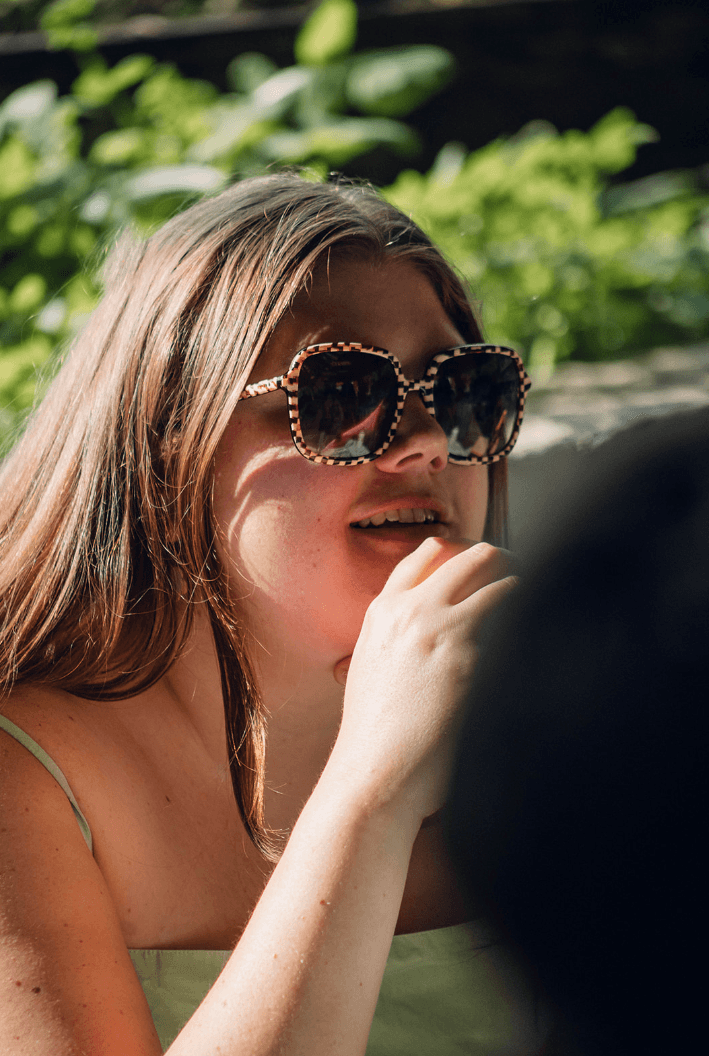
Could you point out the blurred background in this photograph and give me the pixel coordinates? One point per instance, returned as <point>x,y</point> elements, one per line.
<point>556,149</point>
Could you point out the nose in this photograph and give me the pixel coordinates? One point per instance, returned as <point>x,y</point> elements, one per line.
<point>419,445</point>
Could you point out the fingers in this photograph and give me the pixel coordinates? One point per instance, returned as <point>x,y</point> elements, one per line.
<point>475,609</point>
<point>419,565</point>
<point>468,571</point>
<point>446,550</point>
<point>455,573</point>
<point>415,567</point>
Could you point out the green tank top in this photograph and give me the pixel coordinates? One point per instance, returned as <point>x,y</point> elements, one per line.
<point>448,992</point>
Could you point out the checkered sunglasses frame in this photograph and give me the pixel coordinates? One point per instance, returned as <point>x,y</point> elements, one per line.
<point>289,383</point>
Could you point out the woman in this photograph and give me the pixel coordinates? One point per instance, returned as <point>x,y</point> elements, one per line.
<point>190,561</point>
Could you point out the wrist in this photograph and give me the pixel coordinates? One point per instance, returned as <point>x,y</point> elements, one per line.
<point>367,798</point>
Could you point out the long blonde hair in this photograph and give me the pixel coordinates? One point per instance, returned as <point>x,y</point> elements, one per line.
<point>107,535</point>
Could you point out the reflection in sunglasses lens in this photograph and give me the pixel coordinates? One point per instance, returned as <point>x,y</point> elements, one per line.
<point>476,398</point>
<point>346,403</point>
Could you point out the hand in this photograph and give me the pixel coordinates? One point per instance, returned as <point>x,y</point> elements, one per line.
<point>411,670</point>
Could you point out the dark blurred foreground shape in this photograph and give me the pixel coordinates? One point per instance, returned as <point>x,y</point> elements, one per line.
<point>578,806</point>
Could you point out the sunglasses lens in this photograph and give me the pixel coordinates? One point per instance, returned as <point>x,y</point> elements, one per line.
<point>346,403</point>
<point>476,397</point>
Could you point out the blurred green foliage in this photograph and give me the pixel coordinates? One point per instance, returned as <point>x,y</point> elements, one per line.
<point>25,15</point>
<point>134,143</point>
<point>328,34</point>
<point>564,264</point>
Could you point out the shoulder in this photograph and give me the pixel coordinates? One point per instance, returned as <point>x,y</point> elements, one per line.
<point>73,732</point>
<point>32,715</point>
<point>53,749</point>
<point>67,980</point>
<point>30,753</point>
<point>30,770</point>
<point>38,710</point>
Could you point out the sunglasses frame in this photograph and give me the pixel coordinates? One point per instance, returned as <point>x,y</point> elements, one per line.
<point>424,386</point>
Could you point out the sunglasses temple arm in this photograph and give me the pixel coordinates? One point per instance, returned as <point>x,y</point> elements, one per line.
<point>261,387</point>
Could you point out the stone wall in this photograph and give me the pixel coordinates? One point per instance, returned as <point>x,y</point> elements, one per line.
<point>583,404</point>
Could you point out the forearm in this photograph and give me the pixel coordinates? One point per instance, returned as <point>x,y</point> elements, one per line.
<point>305,976</point>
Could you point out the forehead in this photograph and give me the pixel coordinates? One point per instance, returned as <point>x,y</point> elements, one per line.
<point>388,303</point>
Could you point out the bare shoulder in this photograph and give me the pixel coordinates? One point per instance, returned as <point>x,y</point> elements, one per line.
<point>45,712</point>
<point>55,722</point>
<point>66,981</point>
<point>39,715</point>
<point>77,735</point>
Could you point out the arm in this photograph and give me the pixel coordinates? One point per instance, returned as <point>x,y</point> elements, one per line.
<point>306,973</point>
<point>67,985</point>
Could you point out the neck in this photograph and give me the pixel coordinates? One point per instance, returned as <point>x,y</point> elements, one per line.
<point>302,702</point>
<point>303,706</point>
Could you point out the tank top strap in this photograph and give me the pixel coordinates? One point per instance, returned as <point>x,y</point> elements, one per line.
<point>48,763</point>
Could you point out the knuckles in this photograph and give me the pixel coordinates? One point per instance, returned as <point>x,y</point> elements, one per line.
<point>418,616</point>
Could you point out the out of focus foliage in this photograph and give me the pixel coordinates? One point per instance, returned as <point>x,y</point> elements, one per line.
<point>135,143</point>
<point>563,264</point>
<point>25,15</point>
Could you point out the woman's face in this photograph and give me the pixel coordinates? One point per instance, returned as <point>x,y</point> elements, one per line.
<point>303,569</point>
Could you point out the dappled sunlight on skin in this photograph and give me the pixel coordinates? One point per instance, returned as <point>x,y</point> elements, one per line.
<point>317,592</point>
<point>302,575</point>
<point>322,584</point>
<point>245,492</point>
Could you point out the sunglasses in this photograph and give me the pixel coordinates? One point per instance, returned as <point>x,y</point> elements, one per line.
<point>345,401</point>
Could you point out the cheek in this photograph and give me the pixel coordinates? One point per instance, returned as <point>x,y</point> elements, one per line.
<point>284,540</point>
<point>265,503</point>
<point>479,500</point>
<point>277,550</point>
<point>469,488</point>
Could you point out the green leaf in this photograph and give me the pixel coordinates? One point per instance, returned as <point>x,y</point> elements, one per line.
<point>393,82</point>
<point>17,168</point>
<point>65,25</point>
<point>97,85</point>
<point>339,142</point>
<point>247,71</point>
<point>22,220</point>
<point>616,137</point>
<point>66,13</point>
<point>72,38</point>
<point>650,190</point>
<point>19,361</point>
<point>28,103</point>
<point>328,34</point>
<point>689,309</point>
<point>173,179</point>
<point>235,127</point>
<point>28,293</point>
<point>119,147</point>
<point>278,92</point>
